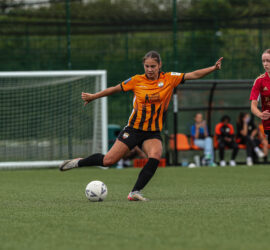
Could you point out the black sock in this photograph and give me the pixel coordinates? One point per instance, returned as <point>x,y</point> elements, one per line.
<point>265,158</point>
<point>92,160</point>
<point>146,174</point>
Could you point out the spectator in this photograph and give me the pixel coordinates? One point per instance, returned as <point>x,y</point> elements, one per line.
<point>134,153</point>
<point>201,138</point>
<point>263,141</point>
<point>247,135</point>
<point>225,135</point>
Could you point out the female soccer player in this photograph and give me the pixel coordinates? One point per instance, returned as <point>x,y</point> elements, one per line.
<point>152,94</point>
<point>261,88</point>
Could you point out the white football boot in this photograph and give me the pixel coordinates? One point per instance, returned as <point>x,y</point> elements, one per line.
<point>69,164</point>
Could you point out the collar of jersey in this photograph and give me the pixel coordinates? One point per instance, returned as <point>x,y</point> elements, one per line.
<point>160,76</point>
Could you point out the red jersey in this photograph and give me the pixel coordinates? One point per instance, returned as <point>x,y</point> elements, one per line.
<point>261,90</point>
<point>151,99</point>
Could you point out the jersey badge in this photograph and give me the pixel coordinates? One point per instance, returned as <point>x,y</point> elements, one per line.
<point>265,89</point>
<point>161,84</point>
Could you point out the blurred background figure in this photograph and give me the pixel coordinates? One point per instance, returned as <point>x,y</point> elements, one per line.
<point>263,141</point>
<point>132,154</point>
<point>225,136</point>
<point>247,134</point>
<point>201,139</point>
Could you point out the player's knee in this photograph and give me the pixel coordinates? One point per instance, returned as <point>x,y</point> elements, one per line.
<point>109,161</point>
<point>155,155</point>
<point>208,139</point>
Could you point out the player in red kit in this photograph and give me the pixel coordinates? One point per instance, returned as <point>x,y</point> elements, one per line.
<point>261,90</point>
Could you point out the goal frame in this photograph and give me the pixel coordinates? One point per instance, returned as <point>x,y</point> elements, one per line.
<point>54,163</point>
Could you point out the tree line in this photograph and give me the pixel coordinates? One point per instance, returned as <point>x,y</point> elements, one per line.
<point>137,15</point>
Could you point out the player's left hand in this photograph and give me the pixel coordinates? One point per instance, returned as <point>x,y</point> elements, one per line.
<point>265,115</point>
<point>87,97</point>
<point>218,63</point>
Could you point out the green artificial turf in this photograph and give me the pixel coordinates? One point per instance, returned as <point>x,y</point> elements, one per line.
<point>202,208</point>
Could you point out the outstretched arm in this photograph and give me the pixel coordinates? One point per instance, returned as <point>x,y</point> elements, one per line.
<point>203,72</point>
<point>265,115</point>
<point>88,97</point>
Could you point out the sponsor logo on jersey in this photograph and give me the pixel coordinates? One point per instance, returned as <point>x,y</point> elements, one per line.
<point>125,135</point>
<point>152,98</point>
<point>265,89</point>
<point>161,84</point>
<point>175,74</point>
<point>126,81</point>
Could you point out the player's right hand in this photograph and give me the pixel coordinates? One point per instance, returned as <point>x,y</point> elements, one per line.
<point>87,97</point>
<point>265,115</point>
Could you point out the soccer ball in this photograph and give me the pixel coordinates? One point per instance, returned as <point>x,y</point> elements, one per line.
<point>96,191</point>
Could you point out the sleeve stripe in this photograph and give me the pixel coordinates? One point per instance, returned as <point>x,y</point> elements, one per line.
<point>122,87</point>
<point>183,79</point>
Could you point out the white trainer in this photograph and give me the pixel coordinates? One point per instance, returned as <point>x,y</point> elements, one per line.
<point>69,164</point>
<point>258,152</point>
<point>232,163</point>
<point>249,161</point>
<point>222,163</point>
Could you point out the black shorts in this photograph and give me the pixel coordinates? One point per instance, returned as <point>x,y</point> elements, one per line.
<point>135,137</point>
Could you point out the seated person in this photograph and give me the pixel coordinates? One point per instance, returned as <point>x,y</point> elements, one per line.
<point>225,136</point>
<point>263,141</point>
<point>247,135</point>
<point>132,154</point>
<point>200,136</point>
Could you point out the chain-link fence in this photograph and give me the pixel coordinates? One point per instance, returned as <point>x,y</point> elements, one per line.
<point>63,34</point>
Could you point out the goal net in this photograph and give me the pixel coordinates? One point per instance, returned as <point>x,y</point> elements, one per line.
<point>43,120</point>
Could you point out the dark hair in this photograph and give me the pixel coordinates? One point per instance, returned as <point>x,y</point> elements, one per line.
<point>267,51</point>
<point>240,118</point>
<point>242,115</point>
<point>154,55</point>
<point>224,118</point>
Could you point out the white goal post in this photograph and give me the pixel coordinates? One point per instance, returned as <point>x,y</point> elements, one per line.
<point>43,119</point>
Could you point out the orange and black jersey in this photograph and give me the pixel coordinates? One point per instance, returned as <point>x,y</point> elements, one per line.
<point>151,99</point>
<point>224,130</point>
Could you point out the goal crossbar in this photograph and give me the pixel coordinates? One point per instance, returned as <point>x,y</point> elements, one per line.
<point>53,73</point>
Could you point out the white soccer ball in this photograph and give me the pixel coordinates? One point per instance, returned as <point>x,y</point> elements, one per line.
<point>96,191</point>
